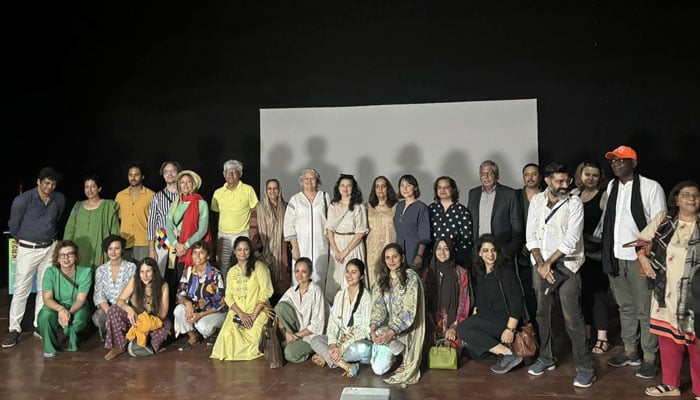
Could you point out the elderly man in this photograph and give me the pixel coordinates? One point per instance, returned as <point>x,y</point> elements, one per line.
<point>554,238</point>
<point>633,201</point>
<point>231,205</point>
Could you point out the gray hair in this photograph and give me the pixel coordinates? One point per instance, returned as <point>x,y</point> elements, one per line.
<point>492,164</point>
<point>313,171</point>
<point>234,164</point>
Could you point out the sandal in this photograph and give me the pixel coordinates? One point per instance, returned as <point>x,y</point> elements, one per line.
<point>318,360</point>
<point>662,390</point>
<point>601,346</point>
<point>352,371</point>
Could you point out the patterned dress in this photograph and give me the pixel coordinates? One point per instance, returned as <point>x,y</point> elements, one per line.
<point>380,221</point>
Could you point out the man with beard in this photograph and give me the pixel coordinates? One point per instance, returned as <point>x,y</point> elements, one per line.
<point>633,201</point>
<point>554,237</point>
<point>133,214</point>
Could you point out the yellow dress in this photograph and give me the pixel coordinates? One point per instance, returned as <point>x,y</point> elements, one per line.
<point>380,221</point>
<point>235,342</point>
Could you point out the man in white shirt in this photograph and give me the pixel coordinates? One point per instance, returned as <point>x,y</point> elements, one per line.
<point>554,237</point>
<point>633,201</point>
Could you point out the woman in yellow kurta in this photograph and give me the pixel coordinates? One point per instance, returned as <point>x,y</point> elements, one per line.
<point>248,289</point>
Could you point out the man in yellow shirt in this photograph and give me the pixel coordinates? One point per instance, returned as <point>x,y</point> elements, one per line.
<point>133,214</point>
<point>231,205</point>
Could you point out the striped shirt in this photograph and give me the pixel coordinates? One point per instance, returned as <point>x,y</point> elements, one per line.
<point>158,210</point>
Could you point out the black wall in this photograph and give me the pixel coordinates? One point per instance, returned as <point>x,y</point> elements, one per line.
<point>91,88</point>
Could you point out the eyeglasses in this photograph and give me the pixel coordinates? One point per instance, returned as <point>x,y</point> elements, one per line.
<point>63,256</point>
<point>169,172</point>
<point>231,172</point>
<point>688,195</point>
<point>618,161</point>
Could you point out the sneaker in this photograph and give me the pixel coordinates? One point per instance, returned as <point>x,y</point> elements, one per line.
<point>505,363</point>
<point>11,339</point>
<point>539,367</point>
<point>37,334</point>
<point>623,360</point>
<point>49,355</point>
<point>646,371</point>
<point>211,340</point>
<point>137,351</point>
<point>584,378</point>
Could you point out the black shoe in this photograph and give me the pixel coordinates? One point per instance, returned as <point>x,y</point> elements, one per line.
<point>11,339</point>
<point>646,371</point>
<point>506,363</point>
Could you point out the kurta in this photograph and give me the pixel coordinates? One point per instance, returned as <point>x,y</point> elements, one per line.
<point>88,228</point>
<point>310,310</point>
<point>338,330</point>
<point>380,221</point>
<point>305,221</point>
<point>345,225</point>
<point>412,226</point>
<point>402,309</point>
<point>664,321</point>
<point>235,342</point>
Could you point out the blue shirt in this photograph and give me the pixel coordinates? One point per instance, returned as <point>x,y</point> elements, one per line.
<point>34,221</point>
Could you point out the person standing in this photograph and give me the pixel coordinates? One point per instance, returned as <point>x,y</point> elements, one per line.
<point>232,205</point>
<point>159,241</point>
<point>496,210</point>
<point>134,202</point>
<point>450,219</point>
<point>33,218</point>
<point>91,221</point>
<point>380,221</point>
<point>633,201</point>
<point>554,238</point>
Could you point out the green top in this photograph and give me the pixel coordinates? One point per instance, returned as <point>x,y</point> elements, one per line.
<point>88,228</point>
<point>64,291</point>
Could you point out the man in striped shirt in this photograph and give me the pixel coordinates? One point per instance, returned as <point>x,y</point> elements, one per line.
<point>156,234</point>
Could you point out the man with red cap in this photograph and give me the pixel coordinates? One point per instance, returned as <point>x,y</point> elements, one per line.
<point>633,201</point>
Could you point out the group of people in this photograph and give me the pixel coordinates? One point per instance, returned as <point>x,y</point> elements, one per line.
<point>354,282</point>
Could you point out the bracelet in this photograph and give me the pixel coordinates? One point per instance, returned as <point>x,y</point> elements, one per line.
<point>296,336</point>
<point>512,329</point>
<point>419,255</point>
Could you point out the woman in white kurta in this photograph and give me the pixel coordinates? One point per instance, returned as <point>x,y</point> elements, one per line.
<point>302,313</point>
<point>346,226</point>
<point>305,225</point>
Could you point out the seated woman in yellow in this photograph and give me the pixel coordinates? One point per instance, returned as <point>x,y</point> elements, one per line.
<point>248,289</point>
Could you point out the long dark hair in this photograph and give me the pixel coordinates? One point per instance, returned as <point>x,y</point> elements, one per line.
<point>361,267</point>
<point>250,264</point>
<point>156,286</point>
<point>383,279</point>
<point>355,195</point>
<point>479,268</point>
<point>391,196</point>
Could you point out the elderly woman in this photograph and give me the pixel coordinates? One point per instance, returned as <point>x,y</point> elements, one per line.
<point>65,291</point>
<point>142,308</point>
<point>590,187</point>
<point>302,313</point>
<point>305,225</point>
<point>345,343</point>
<point>248,290</point>
<point>670,265</point>
<point>267,236</point>
<point>446,292</point>
<point>346,227</point>
<point>498,308</point>
<point>201,307</point>
<point>110,280</point>
<point>451,219</point>
<point>412,222</point>
<point>380,221</point>
<point>397,321</point>
<point>91,220</point>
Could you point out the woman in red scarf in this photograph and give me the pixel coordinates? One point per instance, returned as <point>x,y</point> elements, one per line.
<point>187,222</point>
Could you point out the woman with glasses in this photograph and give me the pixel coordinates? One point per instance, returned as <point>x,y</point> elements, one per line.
<point>65,313</point>
<point>412,222</point>
<point>590,187</point>
<point>670,264</point>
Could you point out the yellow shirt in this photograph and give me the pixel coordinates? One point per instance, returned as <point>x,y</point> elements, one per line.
<point>234,207</point>
<point>133,215</point>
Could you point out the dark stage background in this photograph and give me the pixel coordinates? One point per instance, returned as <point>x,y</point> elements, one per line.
<point>91,87</point>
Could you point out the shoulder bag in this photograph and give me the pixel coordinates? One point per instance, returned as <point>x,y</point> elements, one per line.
<point>524,342</point>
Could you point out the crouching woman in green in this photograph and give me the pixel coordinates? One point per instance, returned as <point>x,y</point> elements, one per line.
<point>65,291</point>
<point>302,313</point>
<point>397,322</point>
<point>345,344</point>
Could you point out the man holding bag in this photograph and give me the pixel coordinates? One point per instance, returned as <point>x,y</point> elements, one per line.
<point>554,238</point>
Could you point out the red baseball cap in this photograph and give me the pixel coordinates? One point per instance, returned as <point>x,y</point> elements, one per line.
<point>622,152</point>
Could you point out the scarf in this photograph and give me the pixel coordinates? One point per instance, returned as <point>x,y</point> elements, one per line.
<point>271,233</point>
<point>448,284</point>
<point>190,224</point>
<point>610,265</point>
<point>662,237</point>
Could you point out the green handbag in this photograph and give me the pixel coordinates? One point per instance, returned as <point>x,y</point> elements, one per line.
<point>442,355</point>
